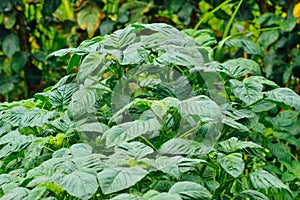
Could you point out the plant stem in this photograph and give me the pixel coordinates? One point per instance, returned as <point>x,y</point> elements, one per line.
<point>208,15</point>
<point>148,142</point>
<point>227,29</point>
<point>218,53</point>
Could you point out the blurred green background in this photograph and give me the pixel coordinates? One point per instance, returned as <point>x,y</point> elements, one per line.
<point>31,29</point>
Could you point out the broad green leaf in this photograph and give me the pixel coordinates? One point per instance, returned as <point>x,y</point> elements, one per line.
<point>252,194</point>
<point>60,97</point>
<point>81,149</point>
<point>263,106</point>
<point>285,96</point>
<point>190,190</point>
<point>119,40</point>
<point>79,184</point>
<point>136,150</point>
<point>116,179</point>
<point>284,121</point>
<point>93,127</point>
<point>174,165</point>
<point>126,197</point>
<point>262,179</point>
<point>131,55</point>
<point>165,196</point>
<point>236,125</point>
<point>239,67</point>
<point>232,163</point>
<point>177,146</point>
<point>249,91</point>
<point>14,144</point>
<point>130,130</point>
<point>36,193</point>
<point>18,193</point>
<point>183,56</point>
<point>89,18</point>
<point>10,45</point>
<point>19,61</point>
<point>83,100</point>
<point>247,45</point>
<point>234,144</point>
<point>268,37</point>
<point>91,65</point>
<point>107,26</point>
<point>6,178</point>
<point>61,52</point>
<point>36,118</point>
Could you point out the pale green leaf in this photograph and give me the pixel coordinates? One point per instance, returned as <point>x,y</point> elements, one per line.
<point>190,190</point>
<point>232,163</point>
<point>116,179</point>
<point>262,179</point>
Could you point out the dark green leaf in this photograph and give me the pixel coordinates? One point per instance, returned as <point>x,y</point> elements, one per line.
<point>10,45</point>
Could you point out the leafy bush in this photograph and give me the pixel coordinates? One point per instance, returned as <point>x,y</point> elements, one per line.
<point>151,115</point>
<point>31,29</point>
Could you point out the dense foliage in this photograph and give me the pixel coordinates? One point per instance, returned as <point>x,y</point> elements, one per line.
<point>31,29</point>
<point>151,114</point>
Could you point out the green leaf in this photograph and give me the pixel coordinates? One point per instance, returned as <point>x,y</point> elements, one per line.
<point>190,190</point>
<point>79,184</point>
<point>249,91</point>
<point>284,121</point>
<point>36,118</point>
<point>36,193</point>
<point>83,100</point>
<point>165,196</point>
<point>236,125</point>
<point>126,197</point>
<point>268,37</point>
<point>234,144</point>
<point>119,40</point>
<point>177,146</point>
<point>10,45</point>
<point>19,61</point>
<point>61,96</point>
<point>89,18</point>
<point>252,194</point>
<point>50,6</point>
<point>136,150</point>
<point>9,19</point>
<point>285,96</point>
<point>262,106</point>
<point>232,163</point>
<point>81,149</point>
<point>182,56</point>
<point>18,193</point>
<point>239,67</point>
<point>73,62</point>
<point>247,45</point>
<point>91,65</point>
<point>116,179</point>
<point>262,179</point>
<point>107,26</point>
<point>61,52</point>
<point>175,165</point>
<point>130,130</point>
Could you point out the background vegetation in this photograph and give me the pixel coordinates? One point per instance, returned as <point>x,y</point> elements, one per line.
<point>74,132</point>
<point>31,29</point>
